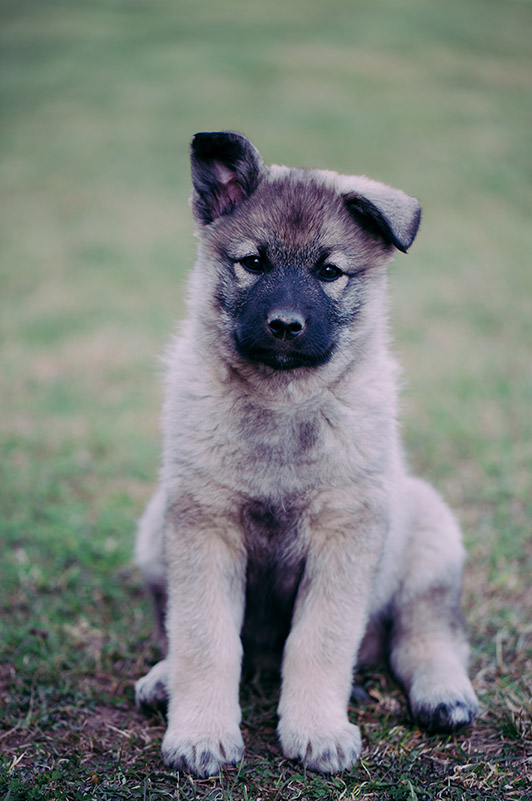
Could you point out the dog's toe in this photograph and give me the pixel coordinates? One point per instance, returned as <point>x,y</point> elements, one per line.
<point>323,751</point>
<point>448,716</point>
<point>202,755</point>
<point>443,704</point>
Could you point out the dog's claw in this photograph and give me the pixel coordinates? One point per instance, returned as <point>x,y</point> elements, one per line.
<point>204,755</point>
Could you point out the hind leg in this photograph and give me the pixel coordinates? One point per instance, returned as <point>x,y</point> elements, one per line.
<point>149,557</point>
<point>151,690</point>
<point>428,649</point>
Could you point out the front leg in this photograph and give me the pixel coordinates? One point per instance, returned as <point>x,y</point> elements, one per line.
<point>206,579</point>
<point>329,621</point>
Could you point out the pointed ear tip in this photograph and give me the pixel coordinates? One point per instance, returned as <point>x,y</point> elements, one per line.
<point>206,139</point>
<point>406,241</point>
<point>416,222</point>
<point>198,143</point>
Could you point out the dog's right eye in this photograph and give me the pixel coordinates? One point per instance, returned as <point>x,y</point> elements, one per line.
<point>253,264</point>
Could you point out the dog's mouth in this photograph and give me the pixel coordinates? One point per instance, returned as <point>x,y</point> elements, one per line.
<point>283,358</point>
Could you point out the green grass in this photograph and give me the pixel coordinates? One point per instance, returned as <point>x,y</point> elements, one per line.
<point>99,101</point>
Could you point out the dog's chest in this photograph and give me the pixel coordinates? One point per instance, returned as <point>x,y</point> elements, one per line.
<point>282,435</point>
<point>272,531</point>
<point>274,454</point>
<point>275,549</point>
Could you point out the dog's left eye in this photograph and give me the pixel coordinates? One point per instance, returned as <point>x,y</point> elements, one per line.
<point>253,264</point>
<point>329,272</point>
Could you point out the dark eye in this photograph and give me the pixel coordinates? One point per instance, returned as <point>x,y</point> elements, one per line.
<point>329,272</point>
<point>253,264</point>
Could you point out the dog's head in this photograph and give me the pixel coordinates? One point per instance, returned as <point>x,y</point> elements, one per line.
<point>290,253</point>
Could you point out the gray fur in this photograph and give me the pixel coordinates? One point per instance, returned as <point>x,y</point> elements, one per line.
<point>286,518</point>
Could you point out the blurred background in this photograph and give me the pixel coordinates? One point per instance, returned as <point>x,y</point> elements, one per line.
<point>99,101</point>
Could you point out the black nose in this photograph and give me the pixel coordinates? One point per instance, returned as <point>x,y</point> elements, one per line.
<point>285,324</point>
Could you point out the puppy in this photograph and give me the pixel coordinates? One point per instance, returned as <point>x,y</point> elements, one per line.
<point>287,524</point>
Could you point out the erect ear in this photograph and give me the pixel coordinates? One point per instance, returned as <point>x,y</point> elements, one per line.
<point>226,169</point>
<point>395,215</point>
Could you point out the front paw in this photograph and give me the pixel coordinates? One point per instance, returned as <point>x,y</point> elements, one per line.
<point>203,755</point>
<point>326,751</point>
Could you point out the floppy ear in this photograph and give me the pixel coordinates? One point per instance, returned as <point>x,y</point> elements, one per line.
<point>395,215</point>
<point>226,169</point>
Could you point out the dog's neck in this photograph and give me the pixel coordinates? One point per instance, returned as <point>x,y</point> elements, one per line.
<point>266,387</point>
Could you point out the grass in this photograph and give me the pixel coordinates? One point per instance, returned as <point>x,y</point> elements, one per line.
<point>99,101</point>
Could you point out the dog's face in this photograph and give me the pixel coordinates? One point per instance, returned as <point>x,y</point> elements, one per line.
<point>292,250</point>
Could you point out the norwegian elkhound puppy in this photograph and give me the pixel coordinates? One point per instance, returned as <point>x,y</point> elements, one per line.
<point>287,521</point>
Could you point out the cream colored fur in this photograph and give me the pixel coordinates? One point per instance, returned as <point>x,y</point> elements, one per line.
<point>372,538</point>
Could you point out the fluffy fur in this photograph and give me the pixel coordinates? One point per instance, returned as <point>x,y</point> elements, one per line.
<point>286,523</point>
